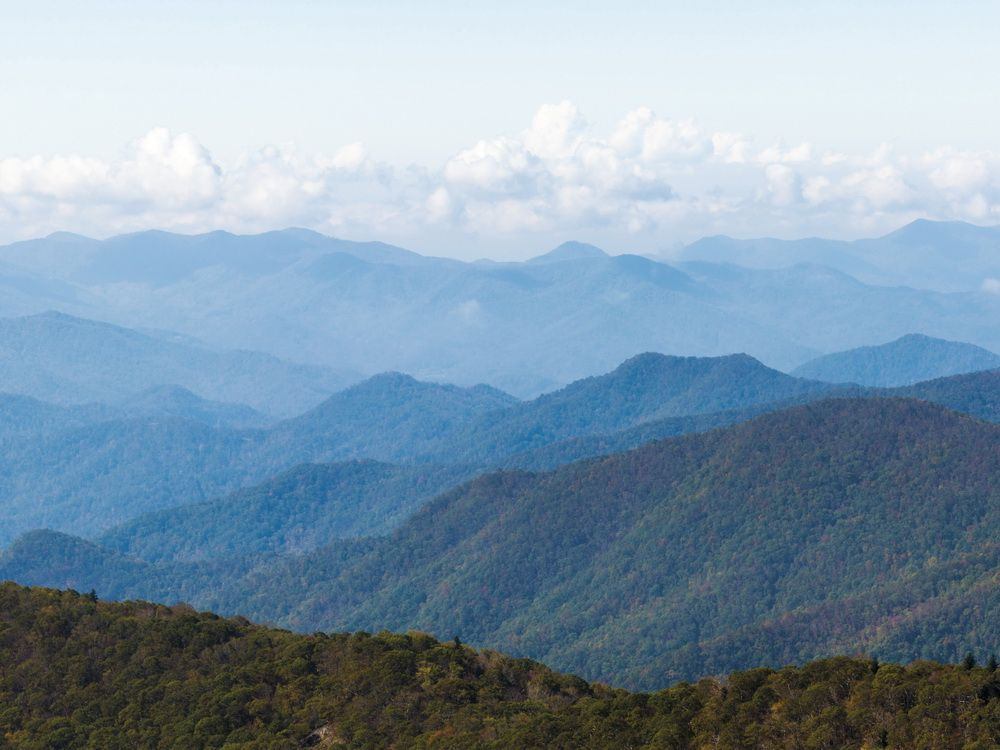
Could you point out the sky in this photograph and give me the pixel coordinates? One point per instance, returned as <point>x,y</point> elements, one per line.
<point>469,130</point>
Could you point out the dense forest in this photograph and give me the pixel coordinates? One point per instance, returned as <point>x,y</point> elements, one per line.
<point>76,672</point>
<point>825,528</point>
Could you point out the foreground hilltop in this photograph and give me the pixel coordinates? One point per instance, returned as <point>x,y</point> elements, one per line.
<point>79,673</point>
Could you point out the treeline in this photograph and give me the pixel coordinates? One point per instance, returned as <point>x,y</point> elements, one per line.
<point>79,673</point>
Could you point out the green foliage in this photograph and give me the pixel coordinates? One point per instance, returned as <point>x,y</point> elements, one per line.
<point>297,511</point>
<point>75,673</point>
<point>845,525</point>
<point>976,393</point>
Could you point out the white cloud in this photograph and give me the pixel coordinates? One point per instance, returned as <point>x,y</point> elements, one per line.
<point>651,178</point>
<point>556,131</point>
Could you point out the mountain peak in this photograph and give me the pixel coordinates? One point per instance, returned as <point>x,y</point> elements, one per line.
<point>570,251</point>
<point>909,359</point>
<point>927,230</point>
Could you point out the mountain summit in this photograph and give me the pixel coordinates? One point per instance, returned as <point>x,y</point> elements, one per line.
<point>907,360</point>
<point>570,251</point>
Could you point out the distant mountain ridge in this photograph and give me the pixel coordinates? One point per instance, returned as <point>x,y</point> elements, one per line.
<point>299,510</point>
<point>945,256</point>
<point>905,361</point>
<point>524,327</point>
<point>67,360</point>
<point>570,251</point>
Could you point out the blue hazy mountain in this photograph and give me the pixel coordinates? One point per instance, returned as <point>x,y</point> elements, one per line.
<point>164,449</point>
<point>175,401</point>
<point>570,251</point>
<point>910,359</point>
<point>67,360</point>
<point>97,475</point>
<point>24,417</point>
<point>92,475</point>
<point>946,256</point>
<point>645,389</point>
<point>160,258</point>
<point>524,327</point>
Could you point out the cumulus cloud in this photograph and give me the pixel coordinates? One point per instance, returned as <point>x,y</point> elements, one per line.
<point>650,178</point>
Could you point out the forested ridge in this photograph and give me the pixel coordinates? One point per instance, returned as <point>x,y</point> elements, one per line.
<point>825,528</point>
<point>76,672</point>
<point>88,469</point>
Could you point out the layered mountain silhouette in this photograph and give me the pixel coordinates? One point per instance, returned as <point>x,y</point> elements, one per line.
<point>524,327</point>
<point>865,524</point>
<point>93,468</point>
<point>67,360</point>
<point>950,256</point>
<point>300,510</point>
<point>92,476</point>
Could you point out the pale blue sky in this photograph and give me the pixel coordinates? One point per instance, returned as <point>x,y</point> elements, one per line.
<point>417,83</point>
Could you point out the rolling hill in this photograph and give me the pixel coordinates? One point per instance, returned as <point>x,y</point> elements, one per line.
<point>907,360</point>
<point>88,476</point>
<point>301,509</point>
<point>85,673</point>
<point>98,475</point>
<point>841,525</point>
<point>67,360</point>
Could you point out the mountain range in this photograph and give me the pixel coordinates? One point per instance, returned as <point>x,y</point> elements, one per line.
<point>67,360</point>
<point>101,474</point>
<point>525,327</point>
<point>863,524</point>
<point>87,469</point>
<point>947,256</point>
<point>225,420</point>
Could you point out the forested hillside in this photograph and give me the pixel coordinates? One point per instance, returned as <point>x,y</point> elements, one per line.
<point>166,448</point>
<point>79,673</point>
<point>839,525</point>
<point>301,509</point>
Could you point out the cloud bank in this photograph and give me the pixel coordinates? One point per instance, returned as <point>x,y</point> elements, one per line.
<point>650,182</point>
